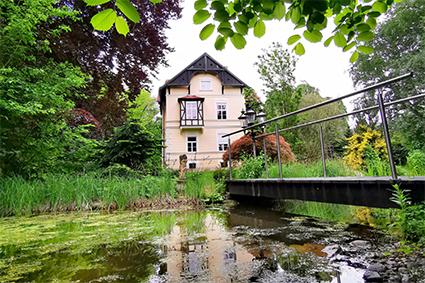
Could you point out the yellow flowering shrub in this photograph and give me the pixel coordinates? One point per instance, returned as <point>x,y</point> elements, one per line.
<point>357,143</point>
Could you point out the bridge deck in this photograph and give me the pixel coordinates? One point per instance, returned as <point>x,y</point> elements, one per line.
<point>361,191</point>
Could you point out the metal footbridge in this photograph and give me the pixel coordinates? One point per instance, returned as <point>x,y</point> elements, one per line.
<point>360,191</point>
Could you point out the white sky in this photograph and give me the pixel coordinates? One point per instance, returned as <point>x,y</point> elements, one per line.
<point>325,68</point>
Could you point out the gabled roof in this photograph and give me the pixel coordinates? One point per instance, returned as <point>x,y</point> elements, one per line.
<point>204,63</point>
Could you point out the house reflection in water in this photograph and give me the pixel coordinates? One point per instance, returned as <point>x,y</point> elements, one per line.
<point>212,257</point>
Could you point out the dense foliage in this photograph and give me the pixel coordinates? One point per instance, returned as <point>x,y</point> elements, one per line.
<point>333,131</point>
<point>119,67</point>
<point>243,146</point>
<point>36,94</point>
<point>398,49</point>
<point>135,146</point>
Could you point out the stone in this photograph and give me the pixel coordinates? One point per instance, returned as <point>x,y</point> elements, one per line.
<point>360,244</point>
<point>405,279</point>
<point>331,250</point>
<point>377,267</point>
<point>372,276</point>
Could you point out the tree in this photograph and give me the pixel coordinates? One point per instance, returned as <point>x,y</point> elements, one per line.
<point>243,146</point>
<point>398,48</point>
<point>276,67</point>
<point>119,67</point>
<point>35,94</point>
<point>143,109</point>
<point>138,147</point>
<point>354,21</point>
<point>333,131</point>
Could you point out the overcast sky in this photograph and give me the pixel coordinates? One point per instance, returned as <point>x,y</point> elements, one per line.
<point>325,68</point>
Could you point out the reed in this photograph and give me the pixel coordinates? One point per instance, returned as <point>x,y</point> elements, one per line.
<point>62,192</point>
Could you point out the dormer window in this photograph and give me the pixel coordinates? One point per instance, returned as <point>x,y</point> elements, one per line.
<point>191,111</point>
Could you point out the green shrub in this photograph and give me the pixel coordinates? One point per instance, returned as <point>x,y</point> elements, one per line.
<point>252,167</point>
<point>416,162</point>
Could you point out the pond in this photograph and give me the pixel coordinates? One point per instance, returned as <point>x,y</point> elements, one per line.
<point>230,243</point>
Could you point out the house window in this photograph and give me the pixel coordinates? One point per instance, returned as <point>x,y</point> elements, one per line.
<point>221,111</point>
<point>191,142</point>
<point>192,165</point>
<point>205,84</point>
<point>191,110</point>
<point>222,143</point>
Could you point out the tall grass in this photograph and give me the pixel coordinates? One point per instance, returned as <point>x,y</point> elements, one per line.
<point>56,192</point>
<point>334,168</point>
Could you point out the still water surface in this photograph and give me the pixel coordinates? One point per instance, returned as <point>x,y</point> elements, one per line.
<point>223,244</point>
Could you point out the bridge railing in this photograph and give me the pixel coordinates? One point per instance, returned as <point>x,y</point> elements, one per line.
<point>381,106</point>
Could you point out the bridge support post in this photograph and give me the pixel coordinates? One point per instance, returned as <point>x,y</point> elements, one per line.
<point>387,135</point>
<point>279,161</point>
<point>230,158</point>
<point>323,151</point>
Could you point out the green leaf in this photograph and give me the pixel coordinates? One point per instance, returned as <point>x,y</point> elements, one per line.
<point>365,49</point>
<point>296,15</point>
<point>104,20</point>
<point>121,26</point>
<point>238,41</point>
<point>259,28</point>
<point>252,22</point>
<point>155,1</point>
<point>200,4</point>
<point>320,5</point>
<point>206,31</point>
<point>268,6</point>
<point>374,14</point>
<point>220,43</point>
<point>299,49</point>
<point>221,16</point>
<point>293,39</point>
<point>95,2</point>
<point>301,23</point>
<point>372,23</point>
<point>227,32</point>
<point>328,41</point>
<point>265,17</point>
<point>349,46</point>
<point>362,27</point>
<point>128,10</point>
<point>354,57</point>
<point>217,5</point>
<point>200,17</point>
<point>279,11</point>
<point>314,36</point>
<point>366,36</point>
<point>380,7</point>
<point>241,27</point>
<point>340,40</point>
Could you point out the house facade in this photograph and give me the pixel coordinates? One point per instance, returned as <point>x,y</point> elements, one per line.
<point>199,105</point>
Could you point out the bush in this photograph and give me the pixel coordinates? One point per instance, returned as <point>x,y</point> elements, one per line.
<point>252,167</point>
<point>416,162</point>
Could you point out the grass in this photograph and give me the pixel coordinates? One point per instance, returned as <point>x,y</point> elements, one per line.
<point>57,192</point>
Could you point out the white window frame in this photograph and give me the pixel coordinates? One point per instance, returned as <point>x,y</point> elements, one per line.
<point>205,84</point>
<point>191,110</point>
<point>221,140</point>
<point>226,110</point>
<point>196,143</point>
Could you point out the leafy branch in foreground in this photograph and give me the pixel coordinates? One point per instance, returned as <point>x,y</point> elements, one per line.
<point>354,20</point>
